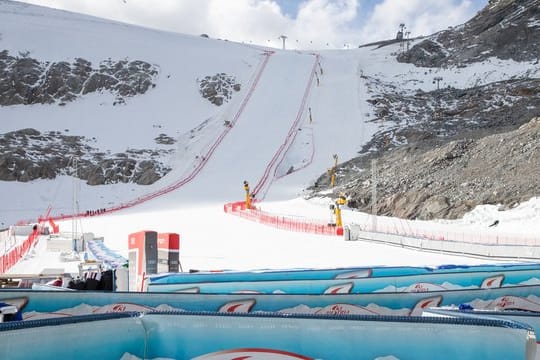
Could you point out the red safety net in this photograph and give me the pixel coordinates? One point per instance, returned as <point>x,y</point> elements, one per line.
<point>281,222</point>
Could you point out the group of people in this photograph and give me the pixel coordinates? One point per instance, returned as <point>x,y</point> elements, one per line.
<point>95,212</point>
<point>93,280</point>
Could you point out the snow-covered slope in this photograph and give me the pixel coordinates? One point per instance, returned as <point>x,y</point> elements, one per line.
<point>173,107</point>
<point>266,112</point>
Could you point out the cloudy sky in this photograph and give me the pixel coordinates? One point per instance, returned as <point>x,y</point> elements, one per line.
<point>308,24</point>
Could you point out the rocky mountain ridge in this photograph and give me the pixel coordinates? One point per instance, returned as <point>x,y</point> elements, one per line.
<point>443,152</point>
<point>506,29</point>
<point>26,81</point>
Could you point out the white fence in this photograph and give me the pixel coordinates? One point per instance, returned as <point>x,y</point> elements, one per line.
<point>485,246</point>
<point>7,241</point>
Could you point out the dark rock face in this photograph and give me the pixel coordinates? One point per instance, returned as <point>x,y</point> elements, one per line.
<point>164,140</point>
<point>506,29</point>
<point>28,155</point>
<point>218,88</point>
<point>450,180</point>
<point>433,117</point>
<point>426,54</point>
<point>24,80</point>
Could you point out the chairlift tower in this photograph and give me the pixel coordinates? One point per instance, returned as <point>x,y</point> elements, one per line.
<point>437,79</point>
<point>283,38</point>
<point>401,37</point>
<point>438,109</point>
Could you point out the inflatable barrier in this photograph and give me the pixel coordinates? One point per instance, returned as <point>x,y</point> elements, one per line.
<point>265,336</point>
<point>50,304</point>
<point>195,276</point>
<point>529,318</point>
<point>363,283</point>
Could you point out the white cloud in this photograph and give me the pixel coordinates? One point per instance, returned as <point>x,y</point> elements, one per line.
<point>247,20</point>
<point>318,24</point>
<point>421,17</point>
<point>325,21</point>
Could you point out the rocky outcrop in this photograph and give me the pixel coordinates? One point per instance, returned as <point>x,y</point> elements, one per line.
<point>431,118</point>
<point>449,180</point>
<point>24,80</point>
<point>218,88</point>
<point>28,155</point>
<point>506,29</point>
<point>427,53</point>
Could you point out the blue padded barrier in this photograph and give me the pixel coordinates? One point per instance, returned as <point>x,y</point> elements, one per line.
<point>198,335</point>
